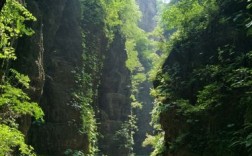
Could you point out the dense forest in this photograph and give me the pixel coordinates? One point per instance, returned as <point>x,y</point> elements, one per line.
<point>126,77</point>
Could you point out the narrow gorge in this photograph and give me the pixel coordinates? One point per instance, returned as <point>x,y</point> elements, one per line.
<point>125,78</point>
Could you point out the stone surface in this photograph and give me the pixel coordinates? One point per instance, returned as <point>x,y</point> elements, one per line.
<point>49,58</point>
<point>197,51</point>
<point>113,98</point>
<point>149,10</point>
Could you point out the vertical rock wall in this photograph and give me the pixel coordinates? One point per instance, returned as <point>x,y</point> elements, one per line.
<point>30,54</point>
<point>49,57</point>
<point>201,127</point>
<point>113,99</point>
<point>149,10</point>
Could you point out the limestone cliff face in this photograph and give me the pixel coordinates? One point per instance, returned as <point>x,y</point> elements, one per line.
<point>114,102</point>
<point>51,55</point>
<point>114,93</point>
<point>30,53</point>
<point>49,58</point>
<point>149,10</point>
<point>185,74</point>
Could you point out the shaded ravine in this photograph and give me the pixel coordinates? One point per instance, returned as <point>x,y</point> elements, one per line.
<point>52,55</point>
<point>114,93</point>
<point>62,46</point>
<point>113,97</point>
<point>50,58</point>
<point>147,23</point>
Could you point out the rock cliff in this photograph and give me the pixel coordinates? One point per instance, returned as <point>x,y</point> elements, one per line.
<point>49,58</point>
<point>113,100</point>
<point>202,108</point>
<point>65,32</point>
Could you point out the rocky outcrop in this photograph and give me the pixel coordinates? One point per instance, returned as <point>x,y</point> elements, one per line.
<point>113,100</point>
<point>202,108</point>
<point>30,54</point>
<point>149,10</point>
<point>49,58</point>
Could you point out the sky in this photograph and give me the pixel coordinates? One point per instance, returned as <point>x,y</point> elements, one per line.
<point>166,1</point>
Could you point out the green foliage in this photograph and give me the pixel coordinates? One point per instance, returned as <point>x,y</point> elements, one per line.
<point>92,12</point>
<point>116,17</point>
<point>122,17</point>
<point>124,136</point>
<point>225,79</point>
<point>157,142</point>
<point>83,101</point>
<point>12,26</point>
<point>85,94</point>
<point>14,102</point>
<point>73,153</point>
<point>188,14</point>
<point>243,138</point>
<point>88,74</point>
<point>203,94</point>
<point>10,138</point>
<point>112,20</point>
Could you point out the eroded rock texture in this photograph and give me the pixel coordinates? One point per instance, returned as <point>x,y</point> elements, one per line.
<point>149,10</point>
<point>51,55</point>
<point>113,99</point>
<point>186,74</point>
<point>49,58</point>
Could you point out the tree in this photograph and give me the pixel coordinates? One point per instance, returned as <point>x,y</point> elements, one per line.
<point>14,102</point>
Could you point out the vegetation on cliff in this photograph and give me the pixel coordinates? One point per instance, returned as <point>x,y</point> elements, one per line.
<point>99,19</point>
<point>108,18</point>
<point>203,90</point>
<point>122,17</point>
<point>14,102</point>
